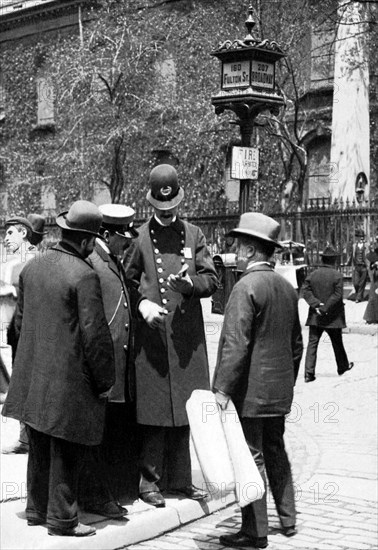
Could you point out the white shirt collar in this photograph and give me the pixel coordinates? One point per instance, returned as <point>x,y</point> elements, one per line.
<point>159,222</point>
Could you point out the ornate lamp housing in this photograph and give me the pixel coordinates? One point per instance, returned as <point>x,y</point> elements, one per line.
<point>248,75</point>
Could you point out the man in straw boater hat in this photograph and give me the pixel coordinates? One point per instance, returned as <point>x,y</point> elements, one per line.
<point>112,472</point>
<point>323,291</point>
<point>259,353</point>
<point>171,264</point>
<point>63,369</point>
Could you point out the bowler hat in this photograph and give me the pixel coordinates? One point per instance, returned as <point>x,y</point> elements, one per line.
<point>38,224</point>
<point>18,220</point>
<point>83,216</point>
<point>118,217</point>
<point>259,226</point>
<point>330,252</point>
<point>165,192</point>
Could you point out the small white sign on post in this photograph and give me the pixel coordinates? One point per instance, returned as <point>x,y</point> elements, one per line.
<point>245,163</point>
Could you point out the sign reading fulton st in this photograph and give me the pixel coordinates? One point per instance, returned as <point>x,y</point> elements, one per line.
<point>243,74</point>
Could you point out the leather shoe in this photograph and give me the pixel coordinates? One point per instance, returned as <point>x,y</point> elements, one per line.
<point>80,530</point>
<point>310,378</point>
<point>289,531</point>
<point>350,367</point>
<point>190,492</point>
<point>111,510</point>
<point>16,449</point>
<point>154,498</point>
<point>240,540</point>
<point>36,521</point>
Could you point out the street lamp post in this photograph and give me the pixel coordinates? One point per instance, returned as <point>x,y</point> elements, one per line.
<point>248,87</point>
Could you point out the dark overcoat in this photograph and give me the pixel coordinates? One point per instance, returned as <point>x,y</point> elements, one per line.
<point>260,347</point>
<point>117,306</point>
<point>325,285</point>
<point>64,357</point>
<point>170,361</point>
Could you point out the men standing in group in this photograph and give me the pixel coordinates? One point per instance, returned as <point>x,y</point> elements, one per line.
<point>323,291</point>
<point>171,357</point>
<point>63,369</point>
<point>359,264</point>
<point>260,349</point>
<point>118,450</point>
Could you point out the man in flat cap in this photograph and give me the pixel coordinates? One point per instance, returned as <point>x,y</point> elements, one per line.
<point>171,357</point>
<point>113,473</point>
<point>63,369</point>
<point>259,353</point>
<point>17,250</point>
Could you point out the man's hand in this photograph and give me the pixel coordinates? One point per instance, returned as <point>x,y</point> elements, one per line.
<point>105,394</point>
<point>222,400</point>
<point>184,285</point>
<point>152,313</point>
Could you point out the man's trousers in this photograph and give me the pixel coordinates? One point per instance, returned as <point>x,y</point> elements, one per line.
<point>52,479</point>
<point>265,439</point>
<point>336,338</point>
<point>359,280</point>
<point>164,460</point>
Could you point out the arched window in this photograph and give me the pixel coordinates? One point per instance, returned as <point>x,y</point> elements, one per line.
<point>319,171</point>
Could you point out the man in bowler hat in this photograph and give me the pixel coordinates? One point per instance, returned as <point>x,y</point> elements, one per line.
<point>38,224</point>
<point>112,472</point>
<point>63,370</point>
<point>323,291</point>
<point>359,263</point>
<point>259,353</point>
<point>171,265</point>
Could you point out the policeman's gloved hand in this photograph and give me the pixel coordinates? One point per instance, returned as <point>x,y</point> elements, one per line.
<point>182,284</point>
<point>152,313</point>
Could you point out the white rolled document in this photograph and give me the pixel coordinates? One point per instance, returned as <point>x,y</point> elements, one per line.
<point>222,451</point>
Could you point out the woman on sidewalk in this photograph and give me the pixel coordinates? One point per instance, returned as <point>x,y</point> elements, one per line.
<point>371,311</point>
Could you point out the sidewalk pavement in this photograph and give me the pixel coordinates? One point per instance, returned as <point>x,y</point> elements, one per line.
<point>331,439</point>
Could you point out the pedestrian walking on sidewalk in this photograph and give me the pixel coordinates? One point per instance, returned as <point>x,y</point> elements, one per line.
<point>371,312</point>
<point>63,370</point>
<point>260,350</point>
<point>323,291</point>
<point>171,357</point>
<point>359,263</point>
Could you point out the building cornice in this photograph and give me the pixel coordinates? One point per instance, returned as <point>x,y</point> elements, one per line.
<point>30,13</point>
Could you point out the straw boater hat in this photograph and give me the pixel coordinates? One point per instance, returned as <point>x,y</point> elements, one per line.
<point>165,192</point>
<point>120,218</point>
<point>258,226</point>
<point>83,216</point>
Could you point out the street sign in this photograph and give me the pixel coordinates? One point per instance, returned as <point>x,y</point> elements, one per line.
<point>235,74</point>
<point>245,163</point>
<point>262,75</point>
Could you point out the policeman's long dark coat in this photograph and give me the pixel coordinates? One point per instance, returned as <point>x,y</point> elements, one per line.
<point>260,347</point>
<point>171,361</point>
<point>115,295</point>
<point>325,285</point>
<point>64,357</point>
